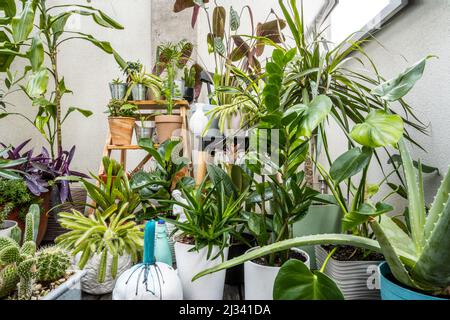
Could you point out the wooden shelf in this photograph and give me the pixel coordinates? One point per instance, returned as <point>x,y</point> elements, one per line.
<point>133,147</point>
<point>159,105</point>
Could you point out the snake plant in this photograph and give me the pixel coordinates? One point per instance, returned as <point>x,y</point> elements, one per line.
<point>419,260</point>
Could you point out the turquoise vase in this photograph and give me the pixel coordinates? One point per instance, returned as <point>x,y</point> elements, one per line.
<point>393,291</point>
<point>162,247</point>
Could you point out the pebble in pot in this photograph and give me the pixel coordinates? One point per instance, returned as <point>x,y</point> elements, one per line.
<point>149,280</point>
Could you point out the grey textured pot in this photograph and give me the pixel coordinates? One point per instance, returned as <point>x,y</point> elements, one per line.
<point>358,280</point>
<point>89,283</point>
<point>321,219</point>
<point>69,290</point>
<point>118,90</point>
<point>139,92</point>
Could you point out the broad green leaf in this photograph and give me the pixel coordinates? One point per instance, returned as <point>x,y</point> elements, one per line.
<point>8,7</point>
<point>350,164</point>
<point>84,112</point>
<point>380,129</point>
<point>425,169</point>
<point>317,111</point>
<point>296,282</point>
<point>22,25</point>
<point>356,218</point>
<point>37,83</point>
<point>399,87</point>
<point>36,53</point>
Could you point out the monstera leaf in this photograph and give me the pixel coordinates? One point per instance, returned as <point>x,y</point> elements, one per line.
<point>399,87</point>
<point>380,129</point>
<point>296,282</point>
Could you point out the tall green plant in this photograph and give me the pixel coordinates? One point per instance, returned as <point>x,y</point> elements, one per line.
<point>23,38</point>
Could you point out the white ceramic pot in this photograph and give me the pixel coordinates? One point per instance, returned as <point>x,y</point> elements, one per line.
<point>6,227</point>
<point>209,287</point>
<point>233,124</point>
<point>259,280</point>
<point>89,282</point>
<point>154,282</point>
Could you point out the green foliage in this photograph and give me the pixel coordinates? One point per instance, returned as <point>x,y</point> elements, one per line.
<point>296,282</point>
<point>14,194</point>
<point>7,170</point>
<point>18,263</point>
<point>52,264</point>
<point>380,129</point>
<point>212,215</point>
<point>38,29</point>
<point>121,108</point>
<point>190,75</point>
<point>158,184</point>
<point>111,232</point>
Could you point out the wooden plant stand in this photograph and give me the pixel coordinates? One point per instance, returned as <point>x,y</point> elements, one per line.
<point>181,107</point>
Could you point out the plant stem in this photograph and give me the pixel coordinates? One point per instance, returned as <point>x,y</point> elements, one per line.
<point>327,260</point>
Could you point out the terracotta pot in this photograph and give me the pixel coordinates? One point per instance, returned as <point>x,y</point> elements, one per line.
<point>121,129</point>
<point>168,126</point>
<point>45,207</point>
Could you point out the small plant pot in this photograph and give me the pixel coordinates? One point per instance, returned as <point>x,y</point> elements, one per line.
<point>189,95</point>
<point>259,279</point>
<point>121,129</point>
<point>6,228</point>
<point>139,92</point>
<point>358,280</point>
<point>143,132</point>
<point>392,290</point>
<point>118,90</point>
<point>168,127</point>
<point>69,290</point>
<point>89,282</point>
<point>209,287</point>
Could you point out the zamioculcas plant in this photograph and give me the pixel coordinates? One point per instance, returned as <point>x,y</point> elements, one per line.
<point>34,29</point>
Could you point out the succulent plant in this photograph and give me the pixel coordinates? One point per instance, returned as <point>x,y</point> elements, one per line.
<point>52,264</point>
<point>18,263</point>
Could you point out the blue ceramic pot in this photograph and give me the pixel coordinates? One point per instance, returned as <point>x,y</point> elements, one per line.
<point>393,291</point>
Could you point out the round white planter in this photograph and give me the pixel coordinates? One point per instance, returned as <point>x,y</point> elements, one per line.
<point>209,287</point>
<point>89,282</point>
<point>259,280</point>
<point>6,227</point>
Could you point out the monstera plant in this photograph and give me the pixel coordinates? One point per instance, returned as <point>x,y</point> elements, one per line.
<point>32,30</point>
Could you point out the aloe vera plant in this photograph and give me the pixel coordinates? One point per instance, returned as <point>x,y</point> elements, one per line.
<point>420,260</point>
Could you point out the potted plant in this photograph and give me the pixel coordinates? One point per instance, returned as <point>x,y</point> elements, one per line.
<point>121,119</point>
<point>170,58</point>
<point>118,89</point>
<point>159,183</point>
<point>112,168</point>
<point>204,237</point>
<point>190,76</point>
<point>108,240</point>
<point>141,82</point>
<point>48,179</point>
<point>15,200</point>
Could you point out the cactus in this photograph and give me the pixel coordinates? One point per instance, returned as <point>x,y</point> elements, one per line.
<point>52,264</point>
<point>18,263</point>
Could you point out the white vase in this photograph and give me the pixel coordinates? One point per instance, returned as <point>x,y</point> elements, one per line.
<point>89,282</point>
<point>232,126</point>
<point>209,287</point>
<point>154,282</point>
<point>259,280</point>
<point>199,120</point>
<point>6,228</point>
